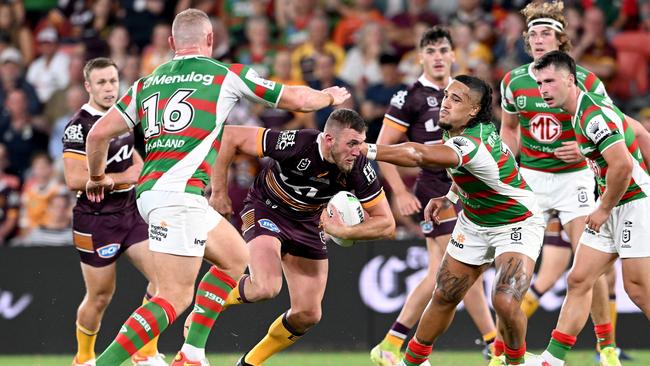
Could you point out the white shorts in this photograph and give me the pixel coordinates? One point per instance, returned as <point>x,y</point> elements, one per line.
<point>570,194</point>
<point>626,231</point>
<point>477,245</point>
<point>178,222</point>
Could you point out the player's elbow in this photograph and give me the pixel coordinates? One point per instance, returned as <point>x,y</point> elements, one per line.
<point>622,168</point>
<point>387,229</point>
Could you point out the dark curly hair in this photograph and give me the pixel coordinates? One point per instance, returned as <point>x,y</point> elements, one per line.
<point>484,114</point>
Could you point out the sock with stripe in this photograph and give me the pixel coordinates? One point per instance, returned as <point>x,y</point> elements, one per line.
<point>558,348</point>
<point>85,343</point>
<point>146,323</point>
<point>396,335</point>
<point>515,356</point>
<point>416,353</point>
<point>605,335</point>
<point>489,339</point>
<point>280,336</point>
<point>538,294</point>
<point>208,304</point>
<point>499,347</point>
<point>150,349</point>
<point>237,296</point>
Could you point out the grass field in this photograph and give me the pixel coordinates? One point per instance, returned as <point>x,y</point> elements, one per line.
<point>578,358</point>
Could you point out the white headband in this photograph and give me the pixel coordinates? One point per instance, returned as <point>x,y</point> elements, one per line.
<point>548,22</point>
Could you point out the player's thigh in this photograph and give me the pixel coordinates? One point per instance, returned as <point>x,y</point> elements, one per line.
<point>636,272</point>
<point>589,264</point>
<point>436,250</point>
<point>455,278</point>
<point>140,256</point>
<point>574,230</point>
<point>99,280</point>
<point>514,272</point>
<point>175,274</point>
<point>227,249</point>
<point>265,264</point>
<point>306,281</point>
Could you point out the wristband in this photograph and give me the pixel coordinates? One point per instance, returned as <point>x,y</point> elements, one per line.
<point>97,178</point>
<point>372,152</point>
<point>452,197</point>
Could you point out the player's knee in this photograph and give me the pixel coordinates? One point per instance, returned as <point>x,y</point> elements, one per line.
<point>99,300</point>
<point>637,292</point>
<point>506,306</point>
<point>306,318</point>
<point>443,299</point>
<point>578,281</point>
<point>269,289</point>
<point>179,297</point>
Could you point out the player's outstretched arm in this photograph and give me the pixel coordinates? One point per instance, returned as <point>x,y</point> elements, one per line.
<point>412,154</point>
<point>305,99</point>
<point>380,224</point>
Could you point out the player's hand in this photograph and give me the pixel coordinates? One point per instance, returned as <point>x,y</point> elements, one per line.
<point>406,203</point>
<point>433,208</point>
<point>339,94</point>
<point>333,224</point>
<point>596,219</point>
<point>222,204</point>
<point>569,152</point>
<point>95,189</point>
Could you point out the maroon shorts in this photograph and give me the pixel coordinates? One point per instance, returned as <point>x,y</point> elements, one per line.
<point>553,235</point>
<point>101,239</point>
<point>424,191</point>
<point>299,237</point>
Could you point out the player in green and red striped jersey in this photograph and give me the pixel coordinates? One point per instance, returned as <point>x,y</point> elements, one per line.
<point>617,227</point>
<point>500,221</point>
<point>181,108</point>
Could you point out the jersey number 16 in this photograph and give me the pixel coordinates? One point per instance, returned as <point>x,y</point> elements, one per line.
<point>176,116</point>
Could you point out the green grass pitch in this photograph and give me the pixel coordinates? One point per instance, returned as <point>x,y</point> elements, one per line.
<point>441,358</point>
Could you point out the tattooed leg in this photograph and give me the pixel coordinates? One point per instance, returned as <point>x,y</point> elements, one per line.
<point>452,283</point>
<point>514,271</point>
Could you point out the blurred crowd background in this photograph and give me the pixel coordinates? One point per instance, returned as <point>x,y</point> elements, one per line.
<point>367,46</point>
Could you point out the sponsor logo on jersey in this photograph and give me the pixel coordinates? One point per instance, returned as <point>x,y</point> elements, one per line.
<point>195,77</point>
<point>286,139</point>
<point>597,129</point>
<point>426,227</point>
<point>515,235</point>
<point>432,102</point>
<point>108,251</point>
<point>627,235</point>
<point>458,241</point>
<point>73,134</point>
<point>303,164</point>
<point>545,128</point>
<point>321,234</point>
<point>541,105</point>
<point>199,242</point>
<point>269,225</point>
<point>463,145</point>
<point>521,101</point>
<point>158,232</point>
<point>124,153</point>
<point>253,76</point>
<point>399,99</point>
<point>369,173</point>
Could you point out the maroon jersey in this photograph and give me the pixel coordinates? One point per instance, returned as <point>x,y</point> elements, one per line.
<point>119,159</point>
<point>415,111</point>
<point>300,182</point>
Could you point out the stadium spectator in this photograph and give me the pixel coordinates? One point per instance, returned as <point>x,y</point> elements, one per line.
<point>118,45</point>
<point>56,107</point>
<point>55,230</point>
<point>378,95</point>
<point>49,72</point>
<point>222,47</point>
<point>13,77</point>
<point>140,18</point>
<point>402,27</point>
<point>258,52</point>
<point>469,52</point>
<point>468,12</point>
<point>594,51</point>
<point>40,186</point>
<point>18,133</point>
<point>19,34</point>
<point>410,65</point>
<point>510,49</point>
<point>294,18</point>
<point>303,58</point>
<point>158,52</point>
<point>75,97</point>
<point>130,73</point>
<point>353,19</point>
<point>361,66</point>
<point>326,78</point>
<point>9,198</point>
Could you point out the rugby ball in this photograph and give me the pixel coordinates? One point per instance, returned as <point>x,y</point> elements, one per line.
<point>351,212</point>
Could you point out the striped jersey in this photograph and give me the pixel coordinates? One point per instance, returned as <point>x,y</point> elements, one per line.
<point>181,108</point>
<point>543,129</point>
<point>491,190</point>
<point>598,125</point>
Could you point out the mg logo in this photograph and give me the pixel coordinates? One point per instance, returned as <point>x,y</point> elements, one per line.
<point>545,128</point>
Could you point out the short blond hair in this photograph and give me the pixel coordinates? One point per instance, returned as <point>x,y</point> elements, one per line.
<point>187,28</point>
<point>553,10</point>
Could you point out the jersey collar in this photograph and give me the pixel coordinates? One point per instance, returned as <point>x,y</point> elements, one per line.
<point>93,112</point>
<point>424,81</point>
<point>574,119</point>
<point>320,147</point>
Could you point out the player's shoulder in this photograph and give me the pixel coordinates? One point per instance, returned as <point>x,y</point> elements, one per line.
<point>408,95</point>
<point>84,118</point>
<point>515,74</point>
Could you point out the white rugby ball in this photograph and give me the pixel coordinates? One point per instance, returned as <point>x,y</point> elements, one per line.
<point>349,207</point>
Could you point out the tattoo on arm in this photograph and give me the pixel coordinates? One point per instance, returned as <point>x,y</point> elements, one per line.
<point>512,279</point>
<point>452,287</point>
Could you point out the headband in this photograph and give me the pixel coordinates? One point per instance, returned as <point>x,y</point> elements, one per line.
<point>548,22</point>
